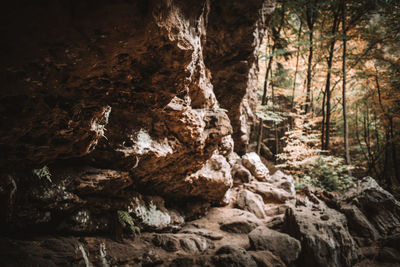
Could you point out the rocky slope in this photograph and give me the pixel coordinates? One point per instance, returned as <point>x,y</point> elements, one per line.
<point>120,116</point>
<point>266,224</point>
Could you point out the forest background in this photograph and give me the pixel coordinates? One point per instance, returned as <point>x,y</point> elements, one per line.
<point>329,92</point>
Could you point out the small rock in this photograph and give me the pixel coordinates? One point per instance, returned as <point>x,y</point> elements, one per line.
<point>283,181</point>
<point>251,202</point>
<point>212,181</point>
<point>273,209</point>
<point>167,242</point>
<point>253,162</point>
<point>275,222</point>
<point>204,232</point>
<point>239,226</point>
<point>183,262</point>
<point>230,255</point>
<point>188,245</point>
<point>240,174</point>
<point>265,258</point>
<point>151,258</point>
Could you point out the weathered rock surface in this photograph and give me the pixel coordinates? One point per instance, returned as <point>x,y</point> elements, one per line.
<point>253,162</point>
<point>283,181</point>
<point>211,182</point>
<point>269,192</point>
<point>265,258</point>
<point>239,226</point>
<point>323,233</point>
<point>240,174</point>
<point>378,211</point>
<point>226,236</point>
<point>231,59</point>
<point>251,202</point>
<point>231,255</point>
<point>282,245</point>
<point>364,222</point>
<point>128,88</point>
<point>374,220</point>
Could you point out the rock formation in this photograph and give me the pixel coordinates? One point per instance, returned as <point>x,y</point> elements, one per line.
<point>113,100</point>
<point>127,116</point>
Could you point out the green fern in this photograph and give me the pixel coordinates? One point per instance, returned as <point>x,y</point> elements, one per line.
<point>126,221</point>
<point>43,172</point>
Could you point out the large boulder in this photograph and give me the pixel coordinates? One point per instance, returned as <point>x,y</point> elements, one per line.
<point>374,220</point>
<point>282,245</point>
<point>323,234</point>
<point>211,182</point>
<point>374,212</point>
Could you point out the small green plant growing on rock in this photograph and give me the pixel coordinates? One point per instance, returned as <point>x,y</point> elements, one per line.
<point>126,221</point>
<point>43,172</point>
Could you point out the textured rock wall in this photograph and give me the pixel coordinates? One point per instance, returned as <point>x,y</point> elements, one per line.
<point>231,55</point>
<point>119,97</point>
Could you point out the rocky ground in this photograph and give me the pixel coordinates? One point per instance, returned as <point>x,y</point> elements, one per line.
<point>266,223</point>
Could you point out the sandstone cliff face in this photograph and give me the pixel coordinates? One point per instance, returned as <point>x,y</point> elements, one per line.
<point>138,96</point>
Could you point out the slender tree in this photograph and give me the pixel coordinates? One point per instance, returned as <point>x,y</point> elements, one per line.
<point>311,15</point>
<point>345,124</point>
<point>327,93</point>
<point>264,99</point>
<point>297,62</point>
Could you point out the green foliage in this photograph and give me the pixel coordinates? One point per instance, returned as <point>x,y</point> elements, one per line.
<point>301,183</point>
<point>303,159</point>
<point>329,173</point>
<point>269,115</point>
<point>126,221</point>
<point>300,149</point>
<point>43,172</point>
<point>282,77</point>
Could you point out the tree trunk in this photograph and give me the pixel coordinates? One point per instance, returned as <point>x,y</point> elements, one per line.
<point>359,140</point>
<point>297,63</point>
<point>260,134</point>
<point>275,124</point>
<point>386,167</point>
<point>323,122</point>
<point>310,18</point>
<point>388,135</point>
<point>309,74</point>
<point>328,81</point>
<point>346,127</point>
<point>276,35</point>
<point>378,140</point>
<point>264,97</point>
<point>394,153</point>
